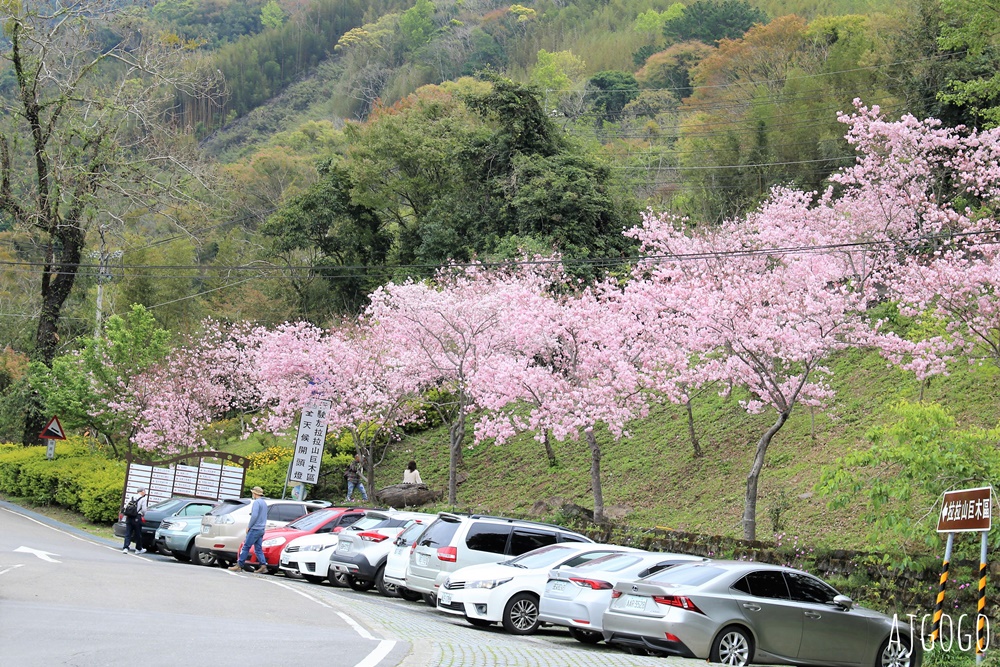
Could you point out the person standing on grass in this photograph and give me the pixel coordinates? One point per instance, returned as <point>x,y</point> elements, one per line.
<point>353,475</point>
<point>133,512</point>
<point>255,533</point>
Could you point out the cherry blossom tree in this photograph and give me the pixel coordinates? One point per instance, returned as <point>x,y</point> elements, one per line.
<point>588,374</point>
<point>351,366</point>
<point>444,331</point>
<point>756,315</point>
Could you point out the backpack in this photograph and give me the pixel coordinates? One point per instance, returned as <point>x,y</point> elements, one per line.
<point>132,508</point>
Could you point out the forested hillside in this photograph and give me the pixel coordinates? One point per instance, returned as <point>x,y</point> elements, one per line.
<point>171,169</point>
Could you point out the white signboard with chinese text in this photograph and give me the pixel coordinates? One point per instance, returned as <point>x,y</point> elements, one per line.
<point>309,443</point>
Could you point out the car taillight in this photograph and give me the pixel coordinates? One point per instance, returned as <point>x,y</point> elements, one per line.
<point>679,601</point>
<point>373,537</point>
<point>594,584</point>
<point>448,554</point>
<point>616,594</point>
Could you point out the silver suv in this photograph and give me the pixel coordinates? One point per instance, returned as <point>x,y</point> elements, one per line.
<point>223,529</point>
<point>457,540</point>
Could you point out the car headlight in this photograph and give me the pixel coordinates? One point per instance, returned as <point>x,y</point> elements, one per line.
<point>273,542</point>
<point>318,547</point>
<point>176,525</point>
<point>488,583</point>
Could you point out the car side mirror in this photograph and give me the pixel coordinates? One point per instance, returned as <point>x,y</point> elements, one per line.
<point>843,602</point>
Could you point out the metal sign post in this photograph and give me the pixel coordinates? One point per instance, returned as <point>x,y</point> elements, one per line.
<point>968,510</point>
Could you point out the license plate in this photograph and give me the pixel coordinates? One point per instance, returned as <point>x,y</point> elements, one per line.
<point>204,530</point>
<point>343,547</point>
<point>422,559</point>
<point>446,598</point>
<point>635,602</point>
<point>397,551</point>
<point>558,586</point>
<point>284,562</point>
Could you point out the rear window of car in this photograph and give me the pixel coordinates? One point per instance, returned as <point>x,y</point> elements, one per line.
<point>228,506</point>
<point>369,522</point>
<point>439,533</point>
<point>689,576</point>
<point>195,509</point>
<point>488,537</point>
<point>611,562</point>
<point>541,557</point>
<point>406,537</point>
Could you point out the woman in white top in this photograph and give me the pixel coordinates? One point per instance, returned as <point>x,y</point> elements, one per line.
<point>411,475</point>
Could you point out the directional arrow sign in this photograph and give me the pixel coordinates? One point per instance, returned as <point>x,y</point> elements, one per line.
<point>44,555</point>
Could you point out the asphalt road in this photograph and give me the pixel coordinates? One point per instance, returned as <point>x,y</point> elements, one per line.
<point>69,598</point>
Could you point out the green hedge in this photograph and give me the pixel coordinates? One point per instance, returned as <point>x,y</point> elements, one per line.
<point>77,478</point>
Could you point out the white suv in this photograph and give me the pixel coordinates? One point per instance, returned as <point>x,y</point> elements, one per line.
<point>223,529</point>
<point>361,555</point>
<point>457,540</point>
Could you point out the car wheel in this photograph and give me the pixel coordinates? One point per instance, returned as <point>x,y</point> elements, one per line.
<point>360,585</point>
<point>383,586</point>
<point>520,616</point>
<point>199,557</point>
<point>312,578</point>
<point>894,653</point>
<point>732,646</point>
<point>479,622</point>
<point>407,594</point>
<point>338,579</point>
<point>585,636</point>
<point>430,599</point>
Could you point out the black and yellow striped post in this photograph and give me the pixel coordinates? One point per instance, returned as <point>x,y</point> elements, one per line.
<point>939,604</point>
<point>981,638</point>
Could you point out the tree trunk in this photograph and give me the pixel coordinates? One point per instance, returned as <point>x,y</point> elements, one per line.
<point>595,476</point>
<point>694,437</point>
<point>548,448</point>
<point>456,435</point>
<point>750,508</point>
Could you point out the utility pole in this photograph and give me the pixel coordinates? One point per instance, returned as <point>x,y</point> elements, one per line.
<point>103,276</point>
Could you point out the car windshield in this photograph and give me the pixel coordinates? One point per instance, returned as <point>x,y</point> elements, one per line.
<point>541,557</point>
<point>694,575</point>
<point>310,521</point>
<point>169,506</point>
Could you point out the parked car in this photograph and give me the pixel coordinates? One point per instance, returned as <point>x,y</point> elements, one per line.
<point>738,612</point>
<point>459,540</point>
<point>309,555</point>
<point>176,534</point>
<point>576,597</point>
<point>324,521</point>
<point>507,592</point>
<point>161,510</point>
<point>362,554</point>
<point>223,529</point>
<point>399,558</point>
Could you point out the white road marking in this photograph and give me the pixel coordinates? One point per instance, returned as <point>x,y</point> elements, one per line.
<point>12,567</point>
<point>373,658</point>
<point>44,555</point>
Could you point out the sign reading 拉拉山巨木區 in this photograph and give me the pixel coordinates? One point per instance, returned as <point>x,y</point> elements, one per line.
<point>966,510</point>
<point>309,443</point>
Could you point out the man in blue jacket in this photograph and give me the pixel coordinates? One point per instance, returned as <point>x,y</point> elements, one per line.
<point>255,533</point>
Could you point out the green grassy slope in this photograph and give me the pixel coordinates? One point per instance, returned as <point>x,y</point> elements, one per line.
<point>652,479</point>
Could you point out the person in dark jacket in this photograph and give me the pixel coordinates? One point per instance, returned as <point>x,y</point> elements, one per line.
<point>353,475</point>
<point>133,524</point>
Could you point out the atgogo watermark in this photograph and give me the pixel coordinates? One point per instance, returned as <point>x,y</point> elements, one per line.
<point>950,635</point>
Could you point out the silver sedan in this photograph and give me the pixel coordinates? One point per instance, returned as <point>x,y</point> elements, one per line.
<point>577,597</point>
<point>737,613</point>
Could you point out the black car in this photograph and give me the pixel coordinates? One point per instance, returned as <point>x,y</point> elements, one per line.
<point>160,511</point>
